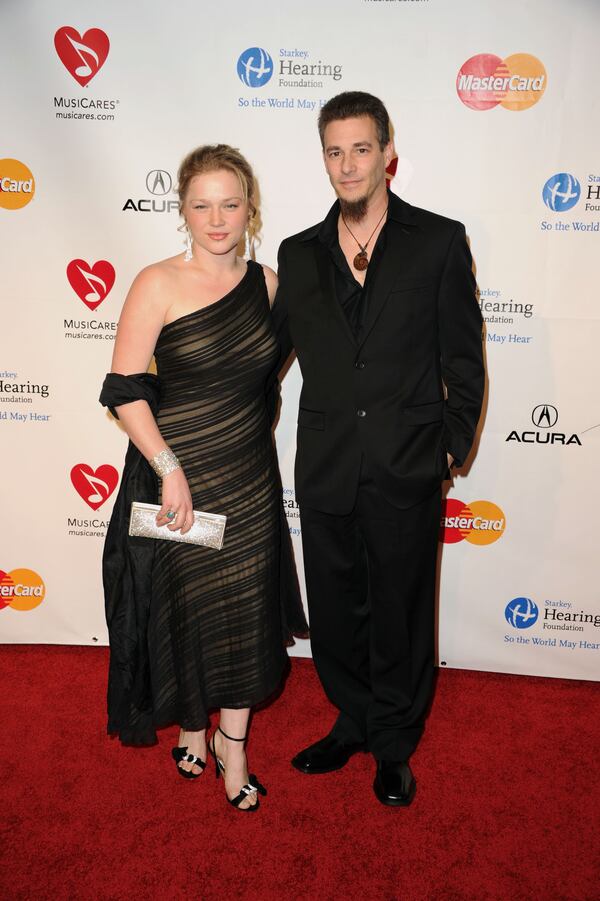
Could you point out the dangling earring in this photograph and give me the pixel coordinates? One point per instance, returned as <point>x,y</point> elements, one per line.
<point>188,246</point>
<point>249,238</point>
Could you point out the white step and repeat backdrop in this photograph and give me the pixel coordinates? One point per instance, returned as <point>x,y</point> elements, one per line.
<point>496,122</point>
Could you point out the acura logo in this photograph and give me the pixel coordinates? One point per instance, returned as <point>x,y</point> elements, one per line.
<point>158,181</point>
<point>544,416</point>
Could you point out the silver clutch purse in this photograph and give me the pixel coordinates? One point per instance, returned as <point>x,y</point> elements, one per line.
<point>208,528</point>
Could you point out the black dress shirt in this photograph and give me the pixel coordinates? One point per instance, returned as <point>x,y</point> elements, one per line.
<point>351,295</point>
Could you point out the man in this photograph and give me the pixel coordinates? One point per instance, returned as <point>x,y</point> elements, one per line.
<point>378,301</point>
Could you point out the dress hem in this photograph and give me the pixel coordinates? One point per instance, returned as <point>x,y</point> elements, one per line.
<point>146,735</point>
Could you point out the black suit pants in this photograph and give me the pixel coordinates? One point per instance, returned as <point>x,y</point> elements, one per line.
<point>370,578</point>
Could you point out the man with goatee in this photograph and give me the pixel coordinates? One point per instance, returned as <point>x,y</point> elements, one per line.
<point>378,301</point>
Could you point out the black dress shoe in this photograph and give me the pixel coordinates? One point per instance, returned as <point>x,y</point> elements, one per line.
<point>325,756</point>
<point>394,783</point>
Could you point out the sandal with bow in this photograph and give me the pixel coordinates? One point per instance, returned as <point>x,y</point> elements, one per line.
<point>253,785</point>
<point>180,755</point>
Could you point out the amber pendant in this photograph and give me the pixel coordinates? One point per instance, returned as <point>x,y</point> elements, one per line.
<point>361,261</point>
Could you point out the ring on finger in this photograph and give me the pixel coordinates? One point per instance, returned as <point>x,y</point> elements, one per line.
<point>170,514</point>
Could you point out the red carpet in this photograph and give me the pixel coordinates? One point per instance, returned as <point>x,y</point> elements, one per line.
<point>506,806</point>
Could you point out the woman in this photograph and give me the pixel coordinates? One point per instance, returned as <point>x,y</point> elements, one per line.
<point>193,628</point>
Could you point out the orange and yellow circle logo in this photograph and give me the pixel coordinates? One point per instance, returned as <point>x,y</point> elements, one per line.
<point>21,589</point>
<point>516,83</point>
<point>17,184</point>
<point>480,522</point>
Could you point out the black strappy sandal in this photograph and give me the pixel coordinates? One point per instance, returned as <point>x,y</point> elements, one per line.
<point>180,754</point>
<point>253,785</point>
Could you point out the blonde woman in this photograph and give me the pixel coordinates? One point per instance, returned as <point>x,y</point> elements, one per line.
<point>211,620</point>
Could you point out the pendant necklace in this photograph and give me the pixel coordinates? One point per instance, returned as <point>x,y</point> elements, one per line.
<point>361,260</point>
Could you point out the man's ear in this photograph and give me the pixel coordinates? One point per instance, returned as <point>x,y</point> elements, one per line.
<point>388,153</point>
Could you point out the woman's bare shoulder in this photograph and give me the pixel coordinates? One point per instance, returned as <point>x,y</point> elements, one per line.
<point>150,292</point>
<point>159,273</point>
<point>156,282</point>
<point>271,280</point>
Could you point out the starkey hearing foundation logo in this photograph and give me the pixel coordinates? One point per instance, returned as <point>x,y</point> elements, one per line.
<point>556,615</point>
<point>255,67</point>
<point>94,486</point>
<point>17,184</point>
<point>91,283</point>
<point>521,613</point>
<point>15,389</point>
<point>82,55</point>
<point>294,67</point>
<point>516,83</point>
<point>21,589</point>
<point>480,522</point>
<point>561,192</point>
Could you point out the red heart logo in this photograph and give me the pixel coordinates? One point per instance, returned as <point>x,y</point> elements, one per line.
<point>83,56</point>
<point>92,284</point>
<point>94,487</point>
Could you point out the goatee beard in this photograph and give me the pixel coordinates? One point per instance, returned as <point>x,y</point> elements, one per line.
<point>354,210</point>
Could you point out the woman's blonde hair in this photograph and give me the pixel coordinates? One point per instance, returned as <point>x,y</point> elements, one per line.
<point>211,158</point>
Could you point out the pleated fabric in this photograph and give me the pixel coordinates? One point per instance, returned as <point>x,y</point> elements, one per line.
<point>215,635</point>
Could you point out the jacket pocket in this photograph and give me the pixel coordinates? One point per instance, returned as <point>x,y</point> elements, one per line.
<point>311,419</point>
<point>422,414</point>
<point>406,285</point>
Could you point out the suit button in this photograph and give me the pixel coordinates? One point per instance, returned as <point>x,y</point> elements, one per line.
<point>360,364</point>
<point>361,413</point>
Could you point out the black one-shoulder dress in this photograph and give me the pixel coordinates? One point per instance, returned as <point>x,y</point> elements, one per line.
<point>209,629</point>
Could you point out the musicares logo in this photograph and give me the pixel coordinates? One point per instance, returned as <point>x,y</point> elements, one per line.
<point>95,487</point>
<point>392,168</point>
<point>92,284</point>
<point>82,55</point>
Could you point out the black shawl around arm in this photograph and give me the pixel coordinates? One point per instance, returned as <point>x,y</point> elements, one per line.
<point>127,576</point>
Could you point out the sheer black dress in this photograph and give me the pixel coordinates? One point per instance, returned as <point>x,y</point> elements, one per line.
<point>192,628</point>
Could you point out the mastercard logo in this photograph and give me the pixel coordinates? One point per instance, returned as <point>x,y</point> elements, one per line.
<point>17,184</point>
<point>516,83</point>
<point>21,589</point>
<point>479,522</point>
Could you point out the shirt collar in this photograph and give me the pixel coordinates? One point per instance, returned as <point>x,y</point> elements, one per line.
<point>398,211</point>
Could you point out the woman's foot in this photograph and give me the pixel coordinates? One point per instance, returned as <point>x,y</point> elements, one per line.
<point>232,754</point>
<point>196,745</point>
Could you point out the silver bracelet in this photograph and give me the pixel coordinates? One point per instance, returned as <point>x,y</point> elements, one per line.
<point>164,463</point>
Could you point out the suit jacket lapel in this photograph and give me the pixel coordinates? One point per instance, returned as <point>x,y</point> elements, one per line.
<point>326,271</point>
<point>397,255</point>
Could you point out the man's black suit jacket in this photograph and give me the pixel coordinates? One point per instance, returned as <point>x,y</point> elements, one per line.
<point>382,396</point>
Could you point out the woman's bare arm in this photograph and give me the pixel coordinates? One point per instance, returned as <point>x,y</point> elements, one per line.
<point>141,321</point>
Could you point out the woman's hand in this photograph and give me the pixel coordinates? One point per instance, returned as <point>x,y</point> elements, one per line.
<point>176,498</point>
